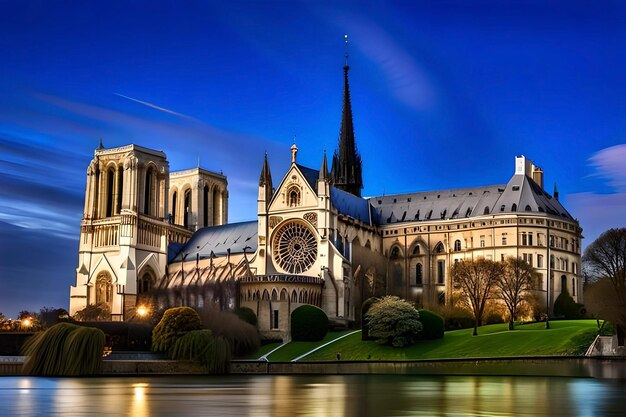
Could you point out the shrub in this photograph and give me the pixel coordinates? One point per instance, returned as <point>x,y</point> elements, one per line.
<point>246,314</point>
<point>367,304</point>
<point>565,306</point>
<point>64,350</point>
<point>433,325</point>
<point>94,312</point>
<point>242,336</point>
<point>201,346</point>
<point>394,321</point>
<point>308,323</point>
<point>175,323</point>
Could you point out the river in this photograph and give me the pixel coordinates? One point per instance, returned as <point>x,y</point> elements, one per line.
<point>304,395</point>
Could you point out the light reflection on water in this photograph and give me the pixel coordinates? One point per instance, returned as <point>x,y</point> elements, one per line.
<point>332,395</point>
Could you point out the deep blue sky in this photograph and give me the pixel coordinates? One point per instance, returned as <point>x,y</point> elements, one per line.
<point>444,95</point>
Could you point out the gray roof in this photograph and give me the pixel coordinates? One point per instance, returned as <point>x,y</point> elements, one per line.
<point>520,194</point>
<point>350,205</point>
<point>218,239</point>
<point>310,175</point>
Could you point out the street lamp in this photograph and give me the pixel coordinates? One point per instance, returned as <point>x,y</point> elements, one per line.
<point>26,322</point>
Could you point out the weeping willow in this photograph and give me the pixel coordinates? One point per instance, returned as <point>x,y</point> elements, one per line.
<point>201,346</point>
<point>64,350</point>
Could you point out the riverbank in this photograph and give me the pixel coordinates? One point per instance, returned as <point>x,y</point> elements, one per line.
<point>574,366</point>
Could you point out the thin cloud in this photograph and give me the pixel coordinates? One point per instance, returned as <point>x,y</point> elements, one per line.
<point>154,106</point>
<point>610,164</point>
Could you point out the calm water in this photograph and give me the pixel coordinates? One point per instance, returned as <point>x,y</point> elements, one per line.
<point>345,395</point>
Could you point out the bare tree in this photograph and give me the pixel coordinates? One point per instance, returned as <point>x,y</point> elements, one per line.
<point>514,285</point>
<point>605,261</point>
<point>477,279</point>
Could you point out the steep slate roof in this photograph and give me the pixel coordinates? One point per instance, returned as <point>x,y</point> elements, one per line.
<point>350,205</point>
<point>310,175</point>
<point>218,239</point>
<point>467,202</point>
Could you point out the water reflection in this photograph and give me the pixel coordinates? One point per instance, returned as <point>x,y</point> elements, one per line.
<point>333,395</point>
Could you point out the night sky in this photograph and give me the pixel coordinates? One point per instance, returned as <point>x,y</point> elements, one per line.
<point>444,95</point>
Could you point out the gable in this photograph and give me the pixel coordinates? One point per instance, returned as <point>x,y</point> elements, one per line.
<point>295,191</point>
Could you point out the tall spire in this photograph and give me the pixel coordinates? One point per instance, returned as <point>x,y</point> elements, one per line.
<point>266,176</point>
<point>324,169</point>
<point>346,168</point>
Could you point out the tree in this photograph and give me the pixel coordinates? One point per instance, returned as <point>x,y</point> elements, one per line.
<point>393,321</point>
<point>476,279</point>
<point>605,262</point>
<point>514,285</point>
<point>94,312</point>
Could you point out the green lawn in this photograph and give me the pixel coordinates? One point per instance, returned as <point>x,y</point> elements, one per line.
<point>566,337</point>
<point>294,349</point>
<point>262,351</point>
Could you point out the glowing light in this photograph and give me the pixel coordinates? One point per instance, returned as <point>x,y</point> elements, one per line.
<point>142,311</point>
<point>27,322</point>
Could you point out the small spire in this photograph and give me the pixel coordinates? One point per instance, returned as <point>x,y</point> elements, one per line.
<point>556,192</point>
<point>100,146</point>
<point>324,168</point>
<point>266,175</point>
<point>294,152</point>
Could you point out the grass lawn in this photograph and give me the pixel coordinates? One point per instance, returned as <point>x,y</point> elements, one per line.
<point>565,337</point>
<point>294,349</point>
<point>262,351</point>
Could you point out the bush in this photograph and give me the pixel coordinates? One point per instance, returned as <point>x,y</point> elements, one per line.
<point>565,306</point>
<point>64,350</point>
<point>175,323</point>
<point>394,321</point>
<point>94,312</point>
<point>242,336</point>
<point>433,325</point>
<point>308,323</point>
<point>246,314</point>
<point>367,304</point>
<point>201,346</point>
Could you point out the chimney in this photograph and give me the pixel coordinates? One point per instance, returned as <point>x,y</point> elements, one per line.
<point>538,176</point>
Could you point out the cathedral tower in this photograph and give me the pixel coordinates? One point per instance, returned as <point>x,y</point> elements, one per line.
<point>346,168</point>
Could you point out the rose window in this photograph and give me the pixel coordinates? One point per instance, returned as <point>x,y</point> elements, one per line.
<point>294,248</point>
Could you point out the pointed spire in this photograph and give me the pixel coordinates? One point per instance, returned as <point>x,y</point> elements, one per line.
<point>556,192</point>
<point>346,168</point>
<point>100,146</point>
<point>324,169</point>
<point>266,176</point>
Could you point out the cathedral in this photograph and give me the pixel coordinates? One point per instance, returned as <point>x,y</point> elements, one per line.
<point>149,235</point>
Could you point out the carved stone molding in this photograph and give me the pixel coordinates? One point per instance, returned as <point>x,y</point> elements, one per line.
<point>274,220</point>
<point>311,218</point>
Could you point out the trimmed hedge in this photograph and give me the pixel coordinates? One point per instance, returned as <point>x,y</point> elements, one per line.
<point>175,323</point>
<point>433,325</point>
<point>308,323</point>
<point>246,314</point>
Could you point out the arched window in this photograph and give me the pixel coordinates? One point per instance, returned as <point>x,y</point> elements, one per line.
<point>147,198</point>
<point>457,245</point>
<point>439,248</point>
<point>563,283</point>
<point>217,207</point>
<point>120,190</point>
<point>416,250</point>
<point>187,208</point>
<point>528,208</point>
<point>174,198</point>
<point>145,283</point>
<point>486,211</point>
<point>205,202</point>
<point>274,295</point>
<point>283,295</point>
<point>294,296</point>
<point>418,274</point>
<point>110,191</point>
<point>266,295</point>
<point>514,207</point>
<point>573,286</point>
<point>395,253</point>
<point>104,289</point>
<point>294,197</point>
